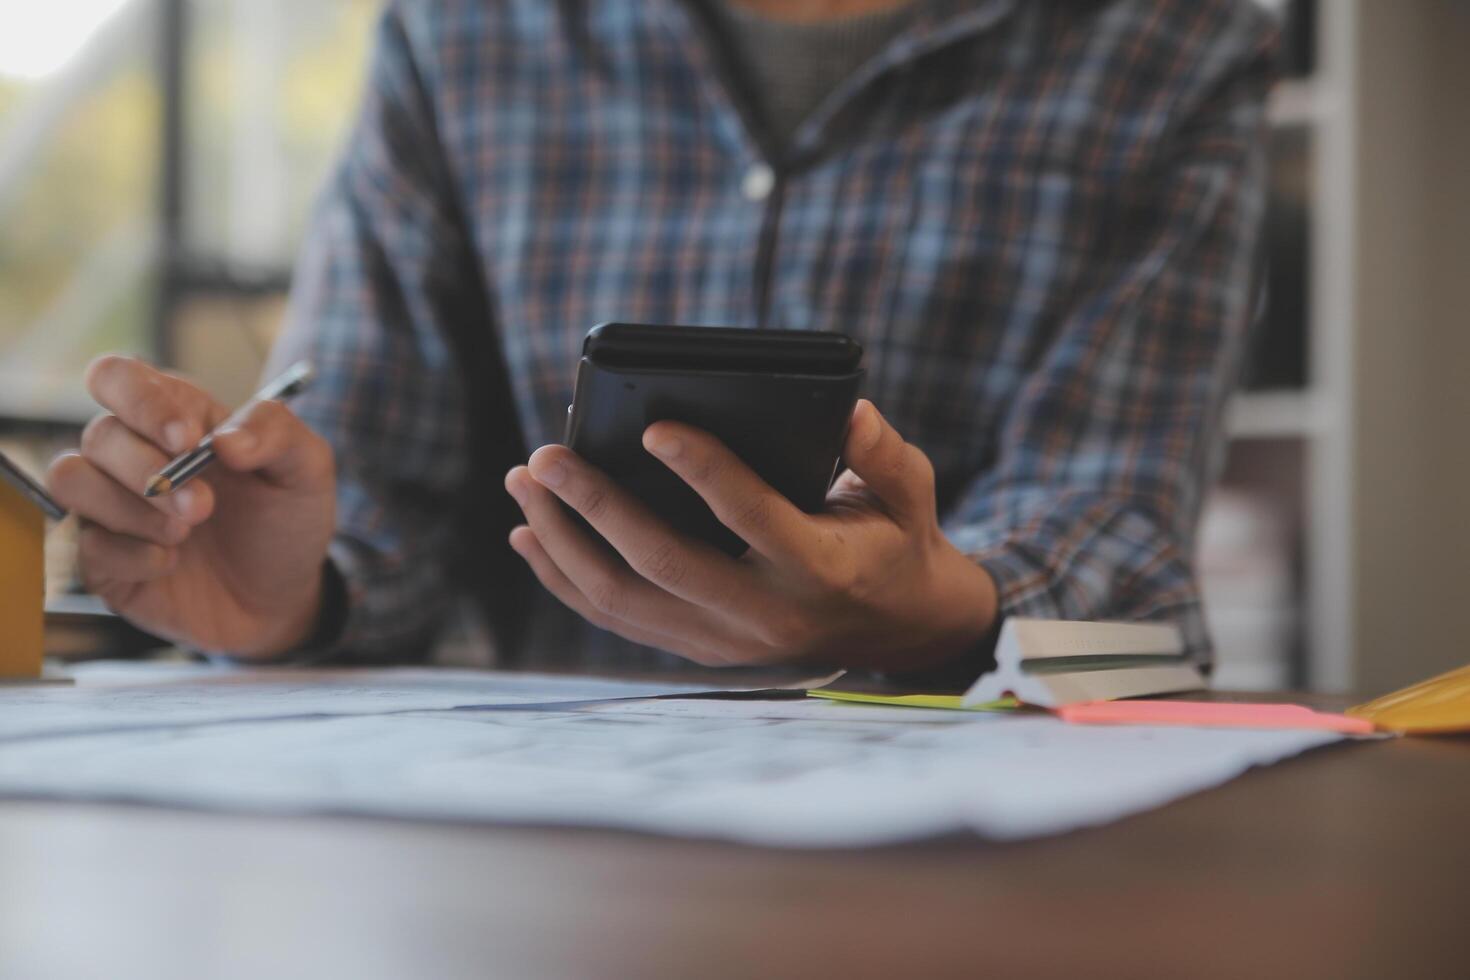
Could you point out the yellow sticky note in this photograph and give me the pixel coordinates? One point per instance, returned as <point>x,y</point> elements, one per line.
<point>1439,705</point>
<point>948,702</point>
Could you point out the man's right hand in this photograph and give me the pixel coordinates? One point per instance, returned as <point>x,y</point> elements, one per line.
<point>233,561</point>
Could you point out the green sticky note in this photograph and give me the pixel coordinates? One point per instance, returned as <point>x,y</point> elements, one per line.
<point>948,702</point>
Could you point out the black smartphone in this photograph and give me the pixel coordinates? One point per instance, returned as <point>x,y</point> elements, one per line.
<point>780,399</point>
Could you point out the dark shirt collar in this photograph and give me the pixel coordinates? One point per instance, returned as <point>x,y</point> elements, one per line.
<point>937,25</point>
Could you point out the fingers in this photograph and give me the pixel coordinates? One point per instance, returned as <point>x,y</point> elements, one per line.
<point>109,559</point>
<point>268,439</point>
<point>79,486</point>
<point>772,525</point>
<point>166,411</point>
<point>689,569</point>
<point>899,473</point>
<point>130,460</point>
<point>612,588</point>
<point>524,541</point>
<point>155,416</point>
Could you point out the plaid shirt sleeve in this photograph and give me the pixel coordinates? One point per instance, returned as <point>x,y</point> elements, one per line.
<point>1090,509</point>
<point>380,288</point>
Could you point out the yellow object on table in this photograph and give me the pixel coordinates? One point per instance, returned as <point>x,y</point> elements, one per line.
<point>950,702</point>
<point>22,585</point>
<point>1440,705</point>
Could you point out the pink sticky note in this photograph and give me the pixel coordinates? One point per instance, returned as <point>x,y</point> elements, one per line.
<point>1210,714</point>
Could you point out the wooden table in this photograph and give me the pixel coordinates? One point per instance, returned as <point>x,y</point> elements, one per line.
<point>1352,861</point>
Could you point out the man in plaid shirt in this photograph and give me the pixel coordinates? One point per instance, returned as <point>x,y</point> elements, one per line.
<point>1040,219</point>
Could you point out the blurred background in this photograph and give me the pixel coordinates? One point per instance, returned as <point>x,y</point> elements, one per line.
<point>158,160</point>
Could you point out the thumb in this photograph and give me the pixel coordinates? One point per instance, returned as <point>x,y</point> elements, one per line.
<point>899,473</point>
<point>267,439</point>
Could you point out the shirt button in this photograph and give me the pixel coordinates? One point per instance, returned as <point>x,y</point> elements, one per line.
<point>758,183</point>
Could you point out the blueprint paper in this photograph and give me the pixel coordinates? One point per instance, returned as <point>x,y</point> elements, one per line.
<point>785,772</point>
<point>117,696</point>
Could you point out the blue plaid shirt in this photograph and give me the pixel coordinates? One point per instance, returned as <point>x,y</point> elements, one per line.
<point>1039,218</point>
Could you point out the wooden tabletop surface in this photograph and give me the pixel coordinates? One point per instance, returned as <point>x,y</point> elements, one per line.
<point>1351,861</point>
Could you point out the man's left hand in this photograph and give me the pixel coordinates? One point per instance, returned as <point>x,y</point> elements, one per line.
<point>871,581</point>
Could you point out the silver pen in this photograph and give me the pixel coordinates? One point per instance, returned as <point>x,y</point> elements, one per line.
<point>184,468</point>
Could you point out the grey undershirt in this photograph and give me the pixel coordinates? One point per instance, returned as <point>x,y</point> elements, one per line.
<point>791,68</point>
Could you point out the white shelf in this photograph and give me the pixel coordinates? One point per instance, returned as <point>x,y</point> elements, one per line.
<point>1274,415</point>
<point>1299,102</point>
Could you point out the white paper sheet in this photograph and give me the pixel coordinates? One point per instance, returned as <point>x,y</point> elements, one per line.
<point>783,773</point>
<point>112,696</point>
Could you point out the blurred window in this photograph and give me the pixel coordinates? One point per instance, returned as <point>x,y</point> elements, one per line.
<point>269,89</point>
<point>79,114</point>
<point>158,157</point>
<point>271,86</point>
